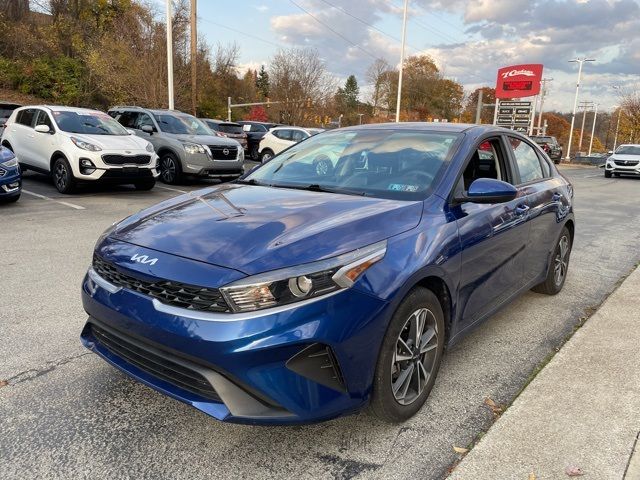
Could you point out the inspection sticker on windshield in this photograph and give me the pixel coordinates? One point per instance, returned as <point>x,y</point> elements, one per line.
<point>400,187</point>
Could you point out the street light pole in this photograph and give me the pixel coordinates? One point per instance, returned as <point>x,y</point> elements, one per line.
<point>404,35</point>
<point>615,139</point>
<point>543,94</point>
<point>584,106</point>
<point>170,54</point>
<point>593,128</point>
<point>580,62</point>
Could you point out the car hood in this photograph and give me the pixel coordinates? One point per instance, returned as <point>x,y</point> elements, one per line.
<point>114,142</point>
<point>255,229</point>
<point>206,140</point>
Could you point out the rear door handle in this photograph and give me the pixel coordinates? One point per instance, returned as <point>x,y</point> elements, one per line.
<point>522,210</point>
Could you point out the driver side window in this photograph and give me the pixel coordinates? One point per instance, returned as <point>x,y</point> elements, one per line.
<point>487,161</point>
<point>144,119</point>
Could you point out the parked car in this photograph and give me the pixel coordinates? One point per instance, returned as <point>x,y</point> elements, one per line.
<point>255,131</point>
<point>185,145</point>
<point>291,296</point>
<point>550,146</point>
<point>227,129</point>
<point>280,138</point>
<point>6,109</point>
<point>10,177</point>
<point>624,161</point>
<point>78,145</point>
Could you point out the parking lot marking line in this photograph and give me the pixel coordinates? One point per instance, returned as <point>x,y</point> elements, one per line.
<point>44,197</point>
<point>171,189</point>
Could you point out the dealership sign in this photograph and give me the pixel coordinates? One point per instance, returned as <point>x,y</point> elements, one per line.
<point>519,81</point>
<point>514,115</point>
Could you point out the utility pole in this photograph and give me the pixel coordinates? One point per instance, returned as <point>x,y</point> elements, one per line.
<point>194,57</point>
<point>542,95</point>
<point>479,108</point>
<point>580,62</point>
<point>615,139</point>
<point>170,54</point>
<point>584,106</point>
<point>404,36</point>
<point>593,128</point>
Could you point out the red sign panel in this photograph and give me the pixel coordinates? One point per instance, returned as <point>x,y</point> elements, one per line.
<point>519,81</point>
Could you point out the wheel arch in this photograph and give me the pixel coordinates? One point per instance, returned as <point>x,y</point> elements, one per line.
<point>165,150</point>
<point>6,144</point>
<point>572,228</point>
<point>441,290</point>
<point>54,156</point>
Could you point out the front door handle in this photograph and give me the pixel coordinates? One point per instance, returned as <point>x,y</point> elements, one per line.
<point>522,210</point>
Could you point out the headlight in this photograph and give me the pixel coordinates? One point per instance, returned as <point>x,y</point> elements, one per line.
<point>149,147</point>
<point>240,153</point>
<point>12,162</point>
<point>85,145</point>
<point>193,148</point>
<point>290,285</point>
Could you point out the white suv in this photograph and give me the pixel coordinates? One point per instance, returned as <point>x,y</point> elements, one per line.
<point>280,138</point>
<point>624,161</point>
<point>76,145</point>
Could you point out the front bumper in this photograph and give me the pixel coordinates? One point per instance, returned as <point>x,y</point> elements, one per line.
<point>10,182</point>
<point>126,172</point>
<point>246,359</point>
<point>622,169</point>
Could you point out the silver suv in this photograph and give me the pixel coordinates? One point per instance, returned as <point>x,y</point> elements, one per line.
<point>184,144</point>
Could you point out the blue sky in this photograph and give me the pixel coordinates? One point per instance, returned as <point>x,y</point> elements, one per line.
<point>469,39</point>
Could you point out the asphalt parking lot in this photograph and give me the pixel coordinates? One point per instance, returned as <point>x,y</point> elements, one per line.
<point>67,414</point>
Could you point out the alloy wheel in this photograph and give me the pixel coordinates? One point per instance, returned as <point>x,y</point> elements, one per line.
<point>322,167</point>
<point>60,176</point>
<point>168,169</point>
<point>266,157</point>
<point>561,260</point>
<point>414,356</point>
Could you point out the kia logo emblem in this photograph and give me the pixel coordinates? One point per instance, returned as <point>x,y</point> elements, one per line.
<point>225,152</point>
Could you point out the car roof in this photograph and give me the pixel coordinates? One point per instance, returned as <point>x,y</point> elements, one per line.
<point>220,122</point>
<point>63,108</point>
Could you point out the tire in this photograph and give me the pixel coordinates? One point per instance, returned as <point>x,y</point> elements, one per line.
<point>62,176</point>
<point>607,174</point>
<point>254,154</point>
<point>170,169</point>
<point>392,399</point>
<point>145,185</point>
<point>266,155</point>
<point>558,266</point>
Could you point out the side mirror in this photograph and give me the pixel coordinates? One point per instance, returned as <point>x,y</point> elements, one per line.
<point>610,152</point>
<point>490,190</point>
<point>147,129</point>
<point>42,129</point>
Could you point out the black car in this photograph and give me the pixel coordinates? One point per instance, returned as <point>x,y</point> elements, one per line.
<point>228,129</point>
<point>550,145</point>
<point>6,109</point>
<point>255,131</point>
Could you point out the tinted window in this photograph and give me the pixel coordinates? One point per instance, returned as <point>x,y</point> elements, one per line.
<point>43,119</point>
<point>25,117</point>
<point>628,150</point>
<point>90,123</point>
<point>527,160</point>
<point>380,163</point>
<point>144,119</point>
<point>546,168</point>
<point>283,134</point>
<point>298,135</point>
<point>214,126</point>
<point>128,119</point>
<point>230,128</point>
<point>7,110</point>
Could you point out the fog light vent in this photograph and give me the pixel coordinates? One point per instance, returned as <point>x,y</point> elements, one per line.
<point>317,362</point>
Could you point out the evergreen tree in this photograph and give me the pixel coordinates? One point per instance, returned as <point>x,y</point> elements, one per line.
<point>350,92</point>
<point>262,82</point>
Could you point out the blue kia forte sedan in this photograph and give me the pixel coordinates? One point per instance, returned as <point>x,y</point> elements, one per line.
<point>298,293</point>
<point>10,177</point>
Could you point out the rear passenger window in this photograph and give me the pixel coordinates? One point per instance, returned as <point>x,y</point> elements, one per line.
<point>283,134</point>
<point>128,119</point>
<point>527,160</point>
<point>546,169</point>
<point>25,117</point>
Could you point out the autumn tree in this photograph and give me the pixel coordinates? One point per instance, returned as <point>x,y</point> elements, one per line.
<point>469,112</point>
<point>378,75</point>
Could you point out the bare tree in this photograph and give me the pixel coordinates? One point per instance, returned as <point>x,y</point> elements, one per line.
<point>299,78</point>
<point>630,104</point>
<point>377,74</point>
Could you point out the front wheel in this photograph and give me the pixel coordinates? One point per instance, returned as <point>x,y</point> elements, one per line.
<point>63,176</point>
<point>607,174</point>
<point>266,155</point>
<point>170,171</point>
<point>557,273</point>
<point>409,357</point>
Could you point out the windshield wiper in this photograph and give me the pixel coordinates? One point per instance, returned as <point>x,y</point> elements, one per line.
<point>251,181</point>
<point>314,187</point>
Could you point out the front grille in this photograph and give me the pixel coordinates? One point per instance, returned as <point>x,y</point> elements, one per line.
<point>626,163</point>
<point>168,292</point>
<point>159,363</point>
<point>218,153</point>
<point>126,159</point>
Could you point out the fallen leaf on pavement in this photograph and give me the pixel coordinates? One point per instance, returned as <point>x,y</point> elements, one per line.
<point>573,471</point>
<point>532,476</point>
<point>3,383</point>
<point>495,408</point>
<point>460,450</point>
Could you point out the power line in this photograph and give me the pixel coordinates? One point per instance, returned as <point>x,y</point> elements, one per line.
<point>242,33</point>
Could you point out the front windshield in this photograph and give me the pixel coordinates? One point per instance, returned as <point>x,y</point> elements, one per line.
<point>386,163</point>
<point>628,150</point>
<point>181,124</point>
<point>89,123</point>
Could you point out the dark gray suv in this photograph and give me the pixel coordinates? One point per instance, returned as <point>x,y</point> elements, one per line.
<point>184,144</point>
